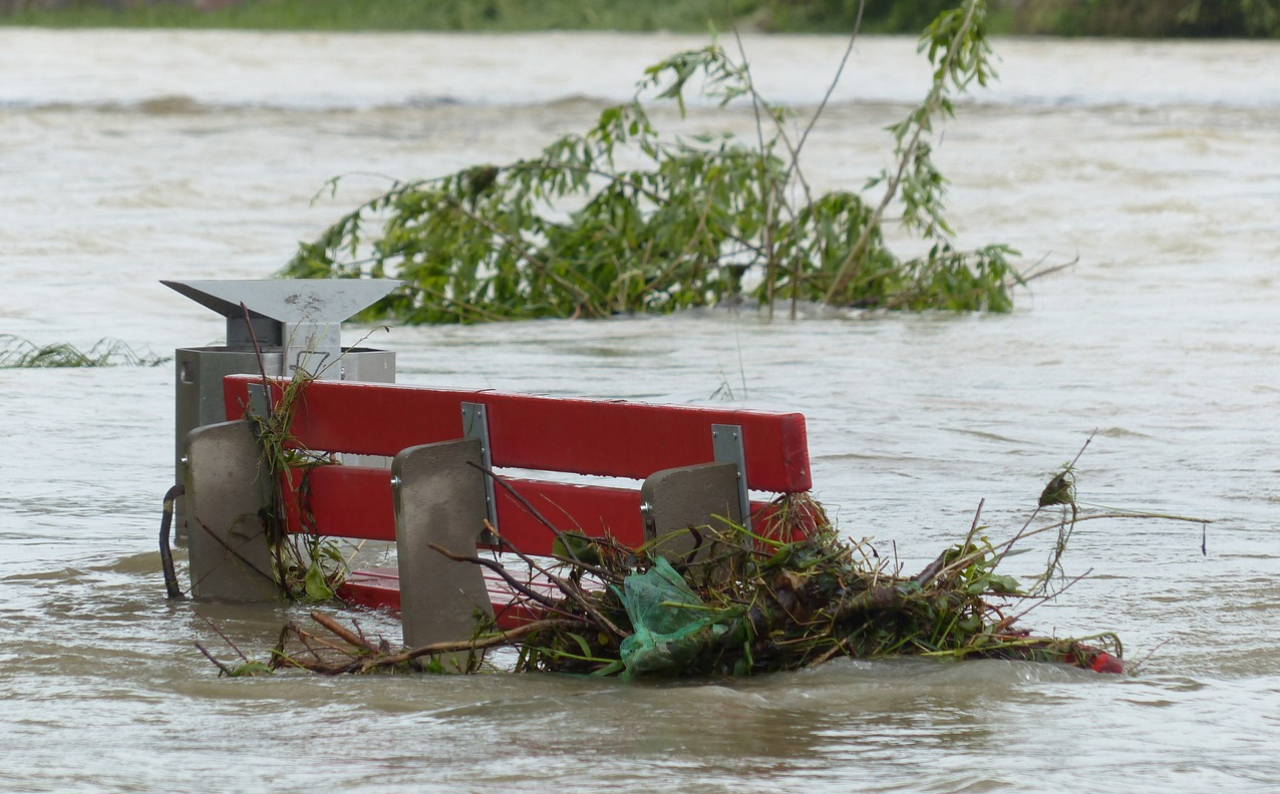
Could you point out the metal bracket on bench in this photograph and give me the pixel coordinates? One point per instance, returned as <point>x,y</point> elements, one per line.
<point>228,491</point>
<point>673,500</point>
<point>475,424</point>
<point>726,443</point>
<point>436,492</point>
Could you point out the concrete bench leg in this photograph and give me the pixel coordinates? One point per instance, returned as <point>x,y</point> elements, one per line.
<point>439,498</point>
<point>227,488</point>
<point>689,496</point>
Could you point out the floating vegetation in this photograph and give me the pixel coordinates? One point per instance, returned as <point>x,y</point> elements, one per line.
<point>744,603</point>
<point>19,353</point>
<point>626,219</point>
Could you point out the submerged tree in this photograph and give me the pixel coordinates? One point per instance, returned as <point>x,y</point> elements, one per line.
<point>624,219</point>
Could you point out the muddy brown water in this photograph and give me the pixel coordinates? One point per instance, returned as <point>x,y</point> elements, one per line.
<point>128,157</point>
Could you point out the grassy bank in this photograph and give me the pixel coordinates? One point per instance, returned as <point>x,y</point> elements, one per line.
<point>1137,18</point>
<point>1150,18</point>
<point>906,16</point>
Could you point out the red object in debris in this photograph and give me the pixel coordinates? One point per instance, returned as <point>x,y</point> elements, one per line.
<point>1106,663</point>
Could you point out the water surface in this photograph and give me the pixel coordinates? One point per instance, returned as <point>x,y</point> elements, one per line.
<point>134,156</point>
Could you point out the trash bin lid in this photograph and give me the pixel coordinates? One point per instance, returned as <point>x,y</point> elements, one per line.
<point>287,300</point>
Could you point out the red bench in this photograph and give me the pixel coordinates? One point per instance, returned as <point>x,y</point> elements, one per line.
<point>442,442</point>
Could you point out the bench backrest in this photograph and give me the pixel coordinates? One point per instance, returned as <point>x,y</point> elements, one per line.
<point>585,437</point>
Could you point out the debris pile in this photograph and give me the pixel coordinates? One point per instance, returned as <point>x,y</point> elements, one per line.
<point>739,603</point>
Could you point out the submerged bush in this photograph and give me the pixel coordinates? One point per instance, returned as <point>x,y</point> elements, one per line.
<point>624,219</point>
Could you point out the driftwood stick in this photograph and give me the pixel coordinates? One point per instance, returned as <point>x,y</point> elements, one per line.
<point>307,638</point>
<point>504,638</point>
<point>342,631</point>
<point>931,570</point>
<point>827,655</point>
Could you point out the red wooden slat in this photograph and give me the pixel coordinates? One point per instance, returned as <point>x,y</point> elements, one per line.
<point>372,589</point>
<point>344,501</point>
<point>591,510</point>
<point>356,502</point>
<point>618,439</point>
<point>379,589</point>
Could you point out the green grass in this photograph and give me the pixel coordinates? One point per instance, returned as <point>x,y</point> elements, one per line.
<point>389,15</point>
<point>1141,18</point>
<point>495,15</point>
<point>19,353</point>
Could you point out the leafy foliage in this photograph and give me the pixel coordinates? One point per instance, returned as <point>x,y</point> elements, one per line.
<point>1151,18</point>
<point>624,219</point>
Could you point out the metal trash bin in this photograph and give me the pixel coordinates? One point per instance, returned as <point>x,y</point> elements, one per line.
<point>295,324</point>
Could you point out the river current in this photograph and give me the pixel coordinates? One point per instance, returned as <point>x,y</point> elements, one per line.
<point>130,157</point>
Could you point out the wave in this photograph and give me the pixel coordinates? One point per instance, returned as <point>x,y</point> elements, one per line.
<point>175,72</point>
<point>166,105</point>
<point>185,105</point>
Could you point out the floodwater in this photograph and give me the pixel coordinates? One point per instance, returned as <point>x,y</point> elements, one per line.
<point>128,157</point>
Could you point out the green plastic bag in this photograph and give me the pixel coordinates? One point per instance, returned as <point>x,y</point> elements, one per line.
<point>663,611</point>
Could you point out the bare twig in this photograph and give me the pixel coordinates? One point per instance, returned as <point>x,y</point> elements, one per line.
<point>1038,600</point>
<point>1069,467</point>
<point>262,367</point>
<point>817,114</point>
<point>306,638</point>
<point>234,553</point>
<point>767,191</point>
<point>1036,271</point>
<point>964,561</point>
<point>1132,666</point>
<point>499,569</point>
<point>479,643</point>
<point>846,270</point>
<point>526,504</point>
<point>568,588</point>
<point>223,669</point>
<point>225,638</point>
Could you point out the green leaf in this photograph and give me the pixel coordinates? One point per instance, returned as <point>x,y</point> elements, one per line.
<point>316,585</point>
<point>582,642</point>
<point>1003,585</point>
<point>251,669</point>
